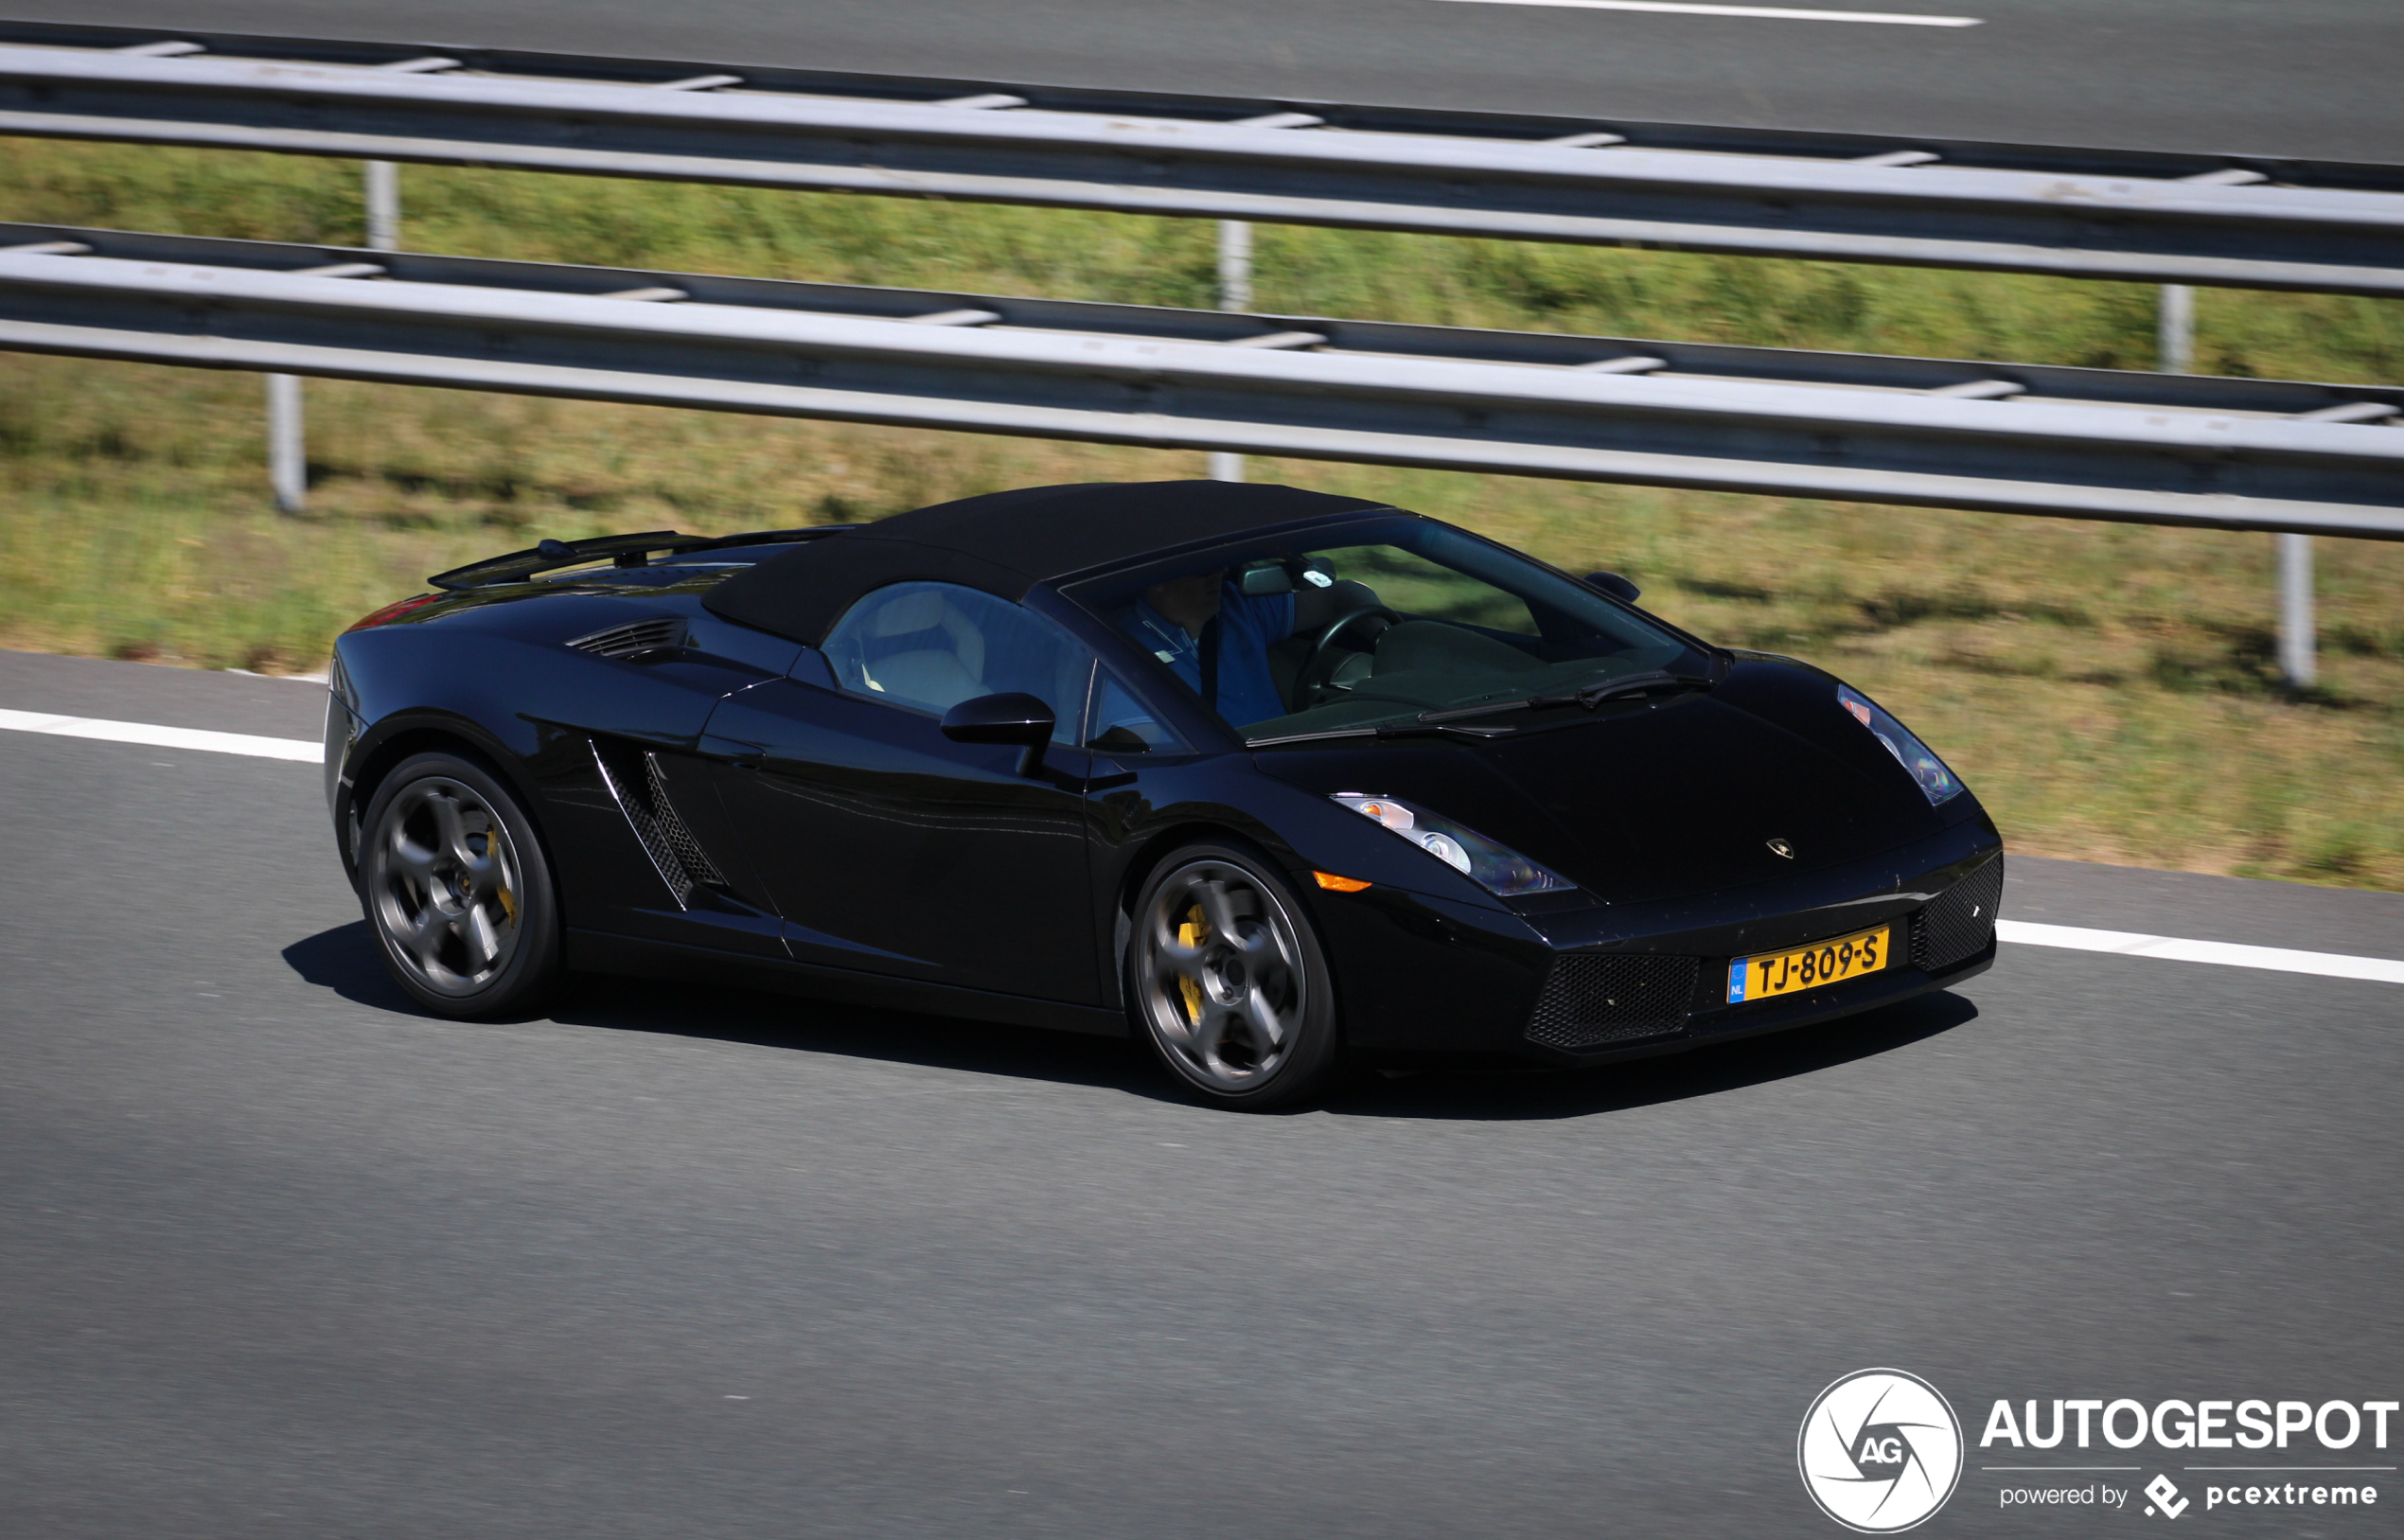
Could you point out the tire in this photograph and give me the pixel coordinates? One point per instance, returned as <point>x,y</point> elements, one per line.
<point>455,886</point>
<point>1244,1020</point>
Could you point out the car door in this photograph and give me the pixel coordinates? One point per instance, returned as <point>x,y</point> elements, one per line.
<point>886,846</point>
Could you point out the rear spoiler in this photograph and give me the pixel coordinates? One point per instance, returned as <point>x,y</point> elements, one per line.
<point>620,550</point>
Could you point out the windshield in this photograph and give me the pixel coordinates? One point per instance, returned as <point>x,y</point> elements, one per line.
<point>1379,622</point>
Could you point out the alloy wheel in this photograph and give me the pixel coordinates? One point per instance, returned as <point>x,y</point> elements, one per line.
<point>1221,975</point>
<point>445,886</point>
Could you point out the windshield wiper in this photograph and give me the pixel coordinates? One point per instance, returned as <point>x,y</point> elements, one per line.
<point>1594,695</point>
<point>1421,729</point>
<point>1591,697</point>
<point>1449,723</point>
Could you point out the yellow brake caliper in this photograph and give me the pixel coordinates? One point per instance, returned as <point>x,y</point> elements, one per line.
<point>508,899</point>
<point>1190,934</point>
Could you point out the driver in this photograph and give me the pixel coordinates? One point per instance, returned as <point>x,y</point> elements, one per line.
<point>1216,637</point>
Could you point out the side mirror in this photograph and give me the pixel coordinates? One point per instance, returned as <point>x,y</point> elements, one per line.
<point>1615,584</point>
<point>1009,717</point>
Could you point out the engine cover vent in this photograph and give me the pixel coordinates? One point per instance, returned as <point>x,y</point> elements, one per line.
<point>634,637</point>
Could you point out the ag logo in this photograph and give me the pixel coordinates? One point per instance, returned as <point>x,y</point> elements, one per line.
<point>1879,1451</point>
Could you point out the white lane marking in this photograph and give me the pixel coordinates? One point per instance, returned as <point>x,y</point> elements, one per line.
<point>162,738</point>
<point>1774,13</point>
<point>318,677</point>
<point>2176,949</point>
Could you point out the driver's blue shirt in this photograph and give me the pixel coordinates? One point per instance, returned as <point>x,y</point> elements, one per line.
<point>1246,627</point>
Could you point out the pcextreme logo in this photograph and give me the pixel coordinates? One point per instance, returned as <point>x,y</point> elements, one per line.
<point>1879,1451</point>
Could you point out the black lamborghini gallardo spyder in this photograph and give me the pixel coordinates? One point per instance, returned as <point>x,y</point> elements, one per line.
<point>1261,775</point>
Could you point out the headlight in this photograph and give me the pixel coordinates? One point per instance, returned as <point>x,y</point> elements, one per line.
<point>1497,870</point>
<point>1935,781</point>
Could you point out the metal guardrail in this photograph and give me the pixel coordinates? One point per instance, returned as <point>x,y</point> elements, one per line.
<point>2240,222</point>
<point>2077,443</point>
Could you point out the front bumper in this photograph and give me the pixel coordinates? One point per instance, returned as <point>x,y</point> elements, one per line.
<point>1725,1023</point>
<point>1593,984</point>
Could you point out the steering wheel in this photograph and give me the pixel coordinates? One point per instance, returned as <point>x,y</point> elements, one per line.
<point>1308,687</point>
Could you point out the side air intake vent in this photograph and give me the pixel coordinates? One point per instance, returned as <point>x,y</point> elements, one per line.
<point>634,779</point>
<point>634,637</point>
<point>1960,921</point>
<point>1613,997</point>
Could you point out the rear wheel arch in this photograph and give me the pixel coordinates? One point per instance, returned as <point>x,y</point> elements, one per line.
<point>457,883</point>
<point>432,737</point>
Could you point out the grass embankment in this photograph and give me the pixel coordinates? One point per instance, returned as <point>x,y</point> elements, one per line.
<point>2109,690</point>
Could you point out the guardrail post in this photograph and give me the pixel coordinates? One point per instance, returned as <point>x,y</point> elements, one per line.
<point>1235,294</point>
<point>383,206</point>
<point>2175,348</point>
<point>2296,640</point>
<point>287,440</point>
<point>1235,265</point>
<point>2175,340</point>
<point>2175,331</point>
<point>287,453</point>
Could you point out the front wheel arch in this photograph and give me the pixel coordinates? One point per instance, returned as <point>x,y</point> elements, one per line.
<point>1157,847</point>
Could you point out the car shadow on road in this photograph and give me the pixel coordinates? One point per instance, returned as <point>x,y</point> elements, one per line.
<point>1672,1077</point>
<point>345,960</point>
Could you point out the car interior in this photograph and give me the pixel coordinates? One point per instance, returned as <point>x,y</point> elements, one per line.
<point>932,646</point>
<point>1382,631</point>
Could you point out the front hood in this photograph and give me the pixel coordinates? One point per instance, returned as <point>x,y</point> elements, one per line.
<point>1657,803</point>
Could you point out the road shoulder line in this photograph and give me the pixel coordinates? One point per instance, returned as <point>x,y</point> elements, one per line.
<point>1771,13</point>
<point>162,738</point>
<point>2180,949</point>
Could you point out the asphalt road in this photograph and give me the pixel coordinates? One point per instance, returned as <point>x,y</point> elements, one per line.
<point>2303,78</point>
<point>281,1256</point>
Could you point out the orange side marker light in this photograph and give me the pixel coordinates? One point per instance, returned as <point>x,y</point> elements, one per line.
<point>1339,884</point>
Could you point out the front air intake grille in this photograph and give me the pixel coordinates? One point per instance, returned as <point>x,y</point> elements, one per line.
<point>1612,998</point>
<point>634,636</point>
<point>1959,922</point>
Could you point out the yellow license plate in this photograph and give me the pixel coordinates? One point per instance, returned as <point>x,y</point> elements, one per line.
<point>1826,961</point>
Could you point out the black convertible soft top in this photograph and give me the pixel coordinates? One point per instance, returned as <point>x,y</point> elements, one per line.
<point>1005,543</point>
